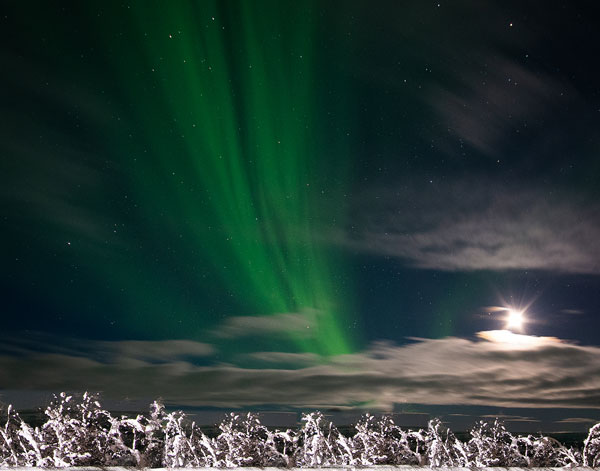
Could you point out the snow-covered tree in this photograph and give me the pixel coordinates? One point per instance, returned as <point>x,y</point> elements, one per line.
<point>19,443</point>
<point>379,441</point>
<point>185,445</point>
<point>244,441</point>
<point>282,447</point>
<point>78,432</point>
<point>591,447</point>
<point>544,452</point>
<point>142,437</point>
<point>493,445</point>
<point>442,447</point>
<point>321,444</point>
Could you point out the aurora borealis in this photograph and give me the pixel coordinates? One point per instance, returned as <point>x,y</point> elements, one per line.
<point>241,145</point>
<point>201,199</point>
<point>223,156</point>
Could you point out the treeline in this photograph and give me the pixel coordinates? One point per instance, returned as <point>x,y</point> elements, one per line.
<point>79,432</point>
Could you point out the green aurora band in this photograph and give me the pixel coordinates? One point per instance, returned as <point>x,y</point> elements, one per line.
<point>222,104</point>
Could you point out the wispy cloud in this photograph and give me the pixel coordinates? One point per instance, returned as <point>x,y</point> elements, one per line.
<point>427,371</point>
<point>299,323</point>
<point>510,339</point>
<point>576,420</point>
<point>161,351</point>
<point>509,418</point>
<point>495,100</point>
<point>478,225</point>
<point>281,360</point>
<point>132,352</point>
<point>572,311</point>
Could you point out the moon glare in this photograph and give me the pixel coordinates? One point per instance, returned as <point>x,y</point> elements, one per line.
<point>514,319</point>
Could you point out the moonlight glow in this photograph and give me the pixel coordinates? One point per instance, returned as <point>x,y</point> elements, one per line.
<point>514,319</point>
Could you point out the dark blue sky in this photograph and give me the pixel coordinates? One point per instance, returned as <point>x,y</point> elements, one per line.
<point>454,162</point>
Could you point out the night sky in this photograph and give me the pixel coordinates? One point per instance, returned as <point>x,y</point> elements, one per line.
<point>285,206</point>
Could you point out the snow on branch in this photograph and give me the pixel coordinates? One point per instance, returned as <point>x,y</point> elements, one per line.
<point>79,432</point>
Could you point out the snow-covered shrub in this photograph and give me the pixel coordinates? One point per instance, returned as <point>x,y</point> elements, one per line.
<point>379,441</point>
<point>591,447</point>
<point>186,446</point>
<point>244,441</point>
<point>62,434</point>
<point>543,452</point>
<point>369,442</point>
<point>142,438</point>
<point>178,451</point>
<point>493,445</point>
<point>442,447</point>
<point>321,444</point>
<point>117,453</point>
<point>282,445</point>
<point>76,432</point>
<point>19,443</point>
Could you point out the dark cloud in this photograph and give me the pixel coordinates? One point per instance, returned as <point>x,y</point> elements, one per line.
<point>479,225</point>
<point>106,351</point>
<point>538,373</point>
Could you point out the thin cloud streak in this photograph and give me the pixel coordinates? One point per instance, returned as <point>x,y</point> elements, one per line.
<point>496,99</point>
<point>299,324</point>
<point>478,225</point>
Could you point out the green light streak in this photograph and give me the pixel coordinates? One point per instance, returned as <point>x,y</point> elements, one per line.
<point>227,106</point>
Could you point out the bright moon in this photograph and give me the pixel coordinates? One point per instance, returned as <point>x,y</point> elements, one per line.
<point>514,319</point>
